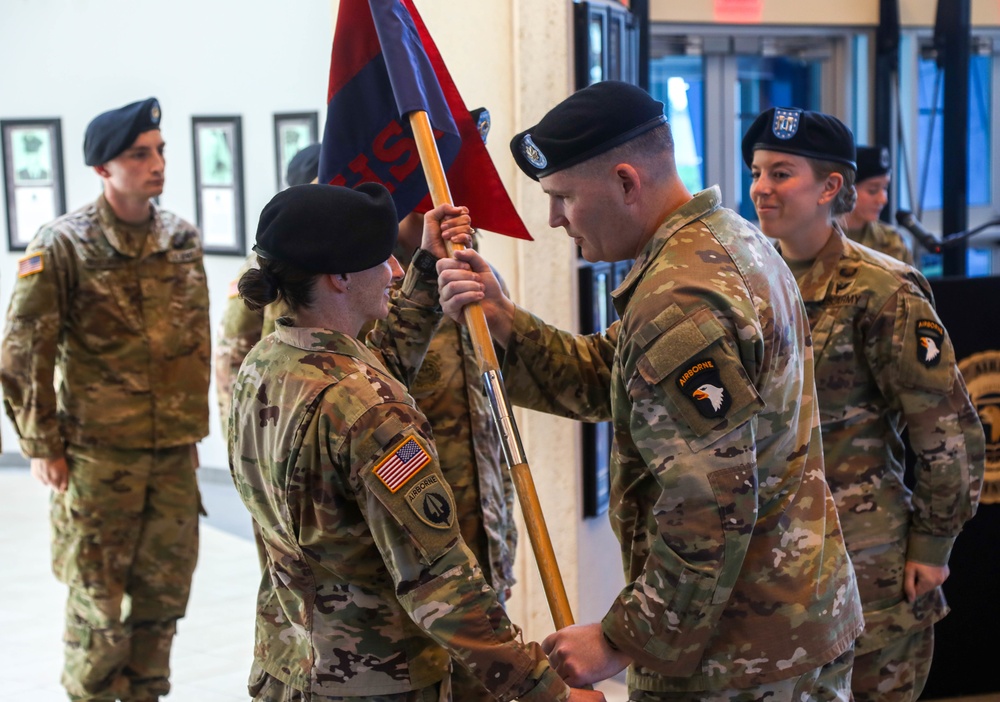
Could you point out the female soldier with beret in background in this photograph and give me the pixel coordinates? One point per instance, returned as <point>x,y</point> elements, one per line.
<point>884,363</point>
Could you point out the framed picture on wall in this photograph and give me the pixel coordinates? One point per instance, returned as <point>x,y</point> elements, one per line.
<point>33,177</point>
<point>218,183</point>
<point>293,131</point>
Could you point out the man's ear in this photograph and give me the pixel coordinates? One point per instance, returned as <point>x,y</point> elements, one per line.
<point>629,182</point>
<point>101,171</point>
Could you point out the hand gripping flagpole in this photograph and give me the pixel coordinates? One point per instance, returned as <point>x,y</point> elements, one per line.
<point>475,319</point>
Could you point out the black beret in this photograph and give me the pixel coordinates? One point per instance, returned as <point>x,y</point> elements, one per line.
<point>872,161</point>
<point>111,132</point>
<point>801,132</point>
<point>328,228</point>
<point>304,166</point>
<point>481,117</point>
<point>588,123</point>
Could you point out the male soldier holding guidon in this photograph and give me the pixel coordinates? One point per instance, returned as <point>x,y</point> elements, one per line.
<point>884,363</point>
<point>738,582</point>
<point>105,372</point>
<point>369,590</point>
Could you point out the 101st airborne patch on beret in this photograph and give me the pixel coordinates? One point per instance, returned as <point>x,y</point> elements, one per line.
<point>930,340</point>
<point>702,384</point>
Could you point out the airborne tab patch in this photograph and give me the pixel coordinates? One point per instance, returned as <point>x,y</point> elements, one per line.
<point>701,382</point>
<point>402,463</point>
<point>30,264</point>
<point>930,338</point>
<point>430,501</point>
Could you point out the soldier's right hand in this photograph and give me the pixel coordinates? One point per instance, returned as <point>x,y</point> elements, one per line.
<point>467,278</point>
<point>577,695</point>
<point>53,472</point>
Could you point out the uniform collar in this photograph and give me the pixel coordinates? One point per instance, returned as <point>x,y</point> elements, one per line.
<point>326,341</point>
<point>157,238</point>
<point>834,264</point>
<point>701,205</point>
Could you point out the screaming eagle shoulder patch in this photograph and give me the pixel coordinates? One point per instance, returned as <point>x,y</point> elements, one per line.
<point>701,382</point>
<point>402,463</point>
<point>930,341</point>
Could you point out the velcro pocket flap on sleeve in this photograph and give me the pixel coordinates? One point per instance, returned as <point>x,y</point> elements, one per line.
<point>701,375</point>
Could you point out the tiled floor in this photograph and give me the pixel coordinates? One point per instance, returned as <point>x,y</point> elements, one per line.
<point>212,652</point>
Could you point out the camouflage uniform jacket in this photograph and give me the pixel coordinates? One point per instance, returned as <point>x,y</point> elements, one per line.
<point>884,363</point>
<point>239,329</point>
<point>369,587</point>
<point>883,238</point>
<point>122,322</point>
<point>449,391</point>
<point>735,565</point>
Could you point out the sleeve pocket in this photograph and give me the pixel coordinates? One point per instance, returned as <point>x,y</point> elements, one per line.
<point>702,378</point>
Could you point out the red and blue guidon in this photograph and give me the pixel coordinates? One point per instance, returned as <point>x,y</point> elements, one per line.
<point>383,66</point>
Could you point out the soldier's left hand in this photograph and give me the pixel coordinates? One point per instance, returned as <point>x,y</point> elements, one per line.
<point>446,221</point>
<point>582,656</point>
<point>920,578</point>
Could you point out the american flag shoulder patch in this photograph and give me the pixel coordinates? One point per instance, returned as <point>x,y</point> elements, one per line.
<point>402,463</point>
<point>30,264</point>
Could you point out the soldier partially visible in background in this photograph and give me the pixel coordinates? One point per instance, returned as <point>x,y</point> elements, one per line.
<point>862,224</point>
<point>240,328</point>
<point>106,370</point>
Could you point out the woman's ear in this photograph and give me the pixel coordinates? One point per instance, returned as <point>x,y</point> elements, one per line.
<point>341,282</point>
<point>831,186</point>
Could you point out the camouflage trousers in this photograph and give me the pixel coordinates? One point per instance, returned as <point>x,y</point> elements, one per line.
<point>267,688</point>
<point>125,541</point>
<point>896,673</point>
<point>829,683</point>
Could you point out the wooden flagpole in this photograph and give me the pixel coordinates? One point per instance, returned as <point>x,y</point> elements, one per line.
<point>538,534</point>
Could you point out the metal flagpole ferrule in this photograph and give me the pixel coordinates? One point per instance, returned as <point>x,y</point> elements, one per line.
<point>510,440</point>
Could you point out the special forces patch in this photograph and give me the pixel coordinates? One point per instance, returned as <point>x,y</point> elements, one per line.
<point>531,152</point>
<point>883,158</point>
<point>701,382</point>
<point>930,338</point>
<point>431,502</point>
<point>785,123</point>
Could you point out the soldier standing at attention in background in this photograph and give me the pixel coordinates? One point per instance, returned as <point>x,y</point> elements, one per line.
<point>111,302</point>
<point>884,363</point>
<point>240,328</point>
<point>862,224</point>
<point>369,589</point>
<point>738,585</point>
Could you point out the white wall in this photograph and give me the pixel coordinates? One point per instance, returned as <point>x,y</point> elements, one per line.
<point>76,58</point>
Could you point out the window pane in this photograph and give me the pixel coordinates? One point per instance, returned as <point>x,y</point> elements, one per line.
<point>678,82</point>
<point>763,83</point>
<point>930,132</point>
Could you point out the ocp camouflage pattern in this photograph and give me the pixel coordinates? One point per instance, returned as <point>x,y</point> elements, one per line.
<point>366,593</point>
<point>132,357</point>
<point>735,567</point>
<point>883,238</point>
<point>876,376</point>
